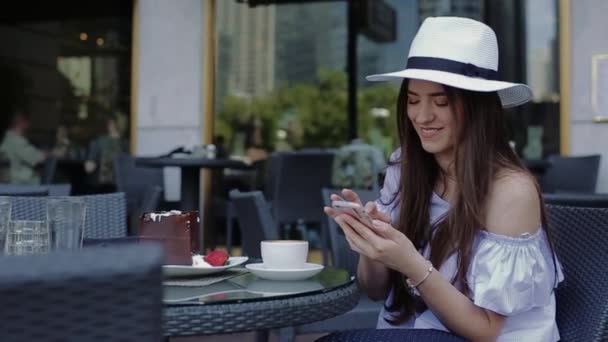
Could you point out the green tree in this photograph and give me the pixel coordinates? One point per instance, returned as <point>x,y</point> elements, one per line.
<point>373,128</point>
<point>313,115</point>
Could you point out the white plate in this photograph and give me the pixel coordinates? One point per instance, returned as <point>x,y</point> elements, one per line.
<point>306,272</point>
<point>185,271</point>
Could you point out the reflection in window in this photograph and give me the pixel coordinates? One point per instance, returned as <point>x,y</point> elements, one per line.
<point>68,72</point>
<point>281,82</point>
<point>78,72</point>
<point>542,128</point>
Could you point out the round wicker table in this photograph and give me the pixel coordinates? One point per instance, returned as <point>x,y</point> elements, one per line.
<point>247,303</point>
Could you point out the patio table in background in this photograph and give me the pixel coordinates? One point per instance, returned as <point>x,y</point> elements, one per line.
<point>190,179</point>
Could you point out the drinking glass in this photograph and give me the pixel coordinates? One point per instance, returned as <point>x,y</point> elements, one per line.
<point>5,216</point>
<point>26,237</point>
<point>65,217</point>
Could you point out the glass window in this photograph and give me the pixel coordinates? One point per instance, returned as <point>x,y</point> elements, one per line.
<point>281,79</point>
<point>542,73</point>
<point>69,70</point>
<point>282,83</point>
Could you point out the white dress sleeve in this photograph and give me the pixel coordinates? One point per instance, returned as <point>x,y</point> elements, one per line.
<point>511,275</point>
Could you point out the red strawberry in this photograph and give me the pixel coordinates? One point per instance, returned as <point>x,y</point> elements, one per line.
<point>216,258</point>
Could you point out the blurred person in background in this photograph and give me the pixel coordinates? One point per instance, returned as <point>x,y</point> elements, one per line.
<point>24,158</point>
<point>222,151</point>
<point>254,144</point>
<point>62,141</point>
<point>103,149</point>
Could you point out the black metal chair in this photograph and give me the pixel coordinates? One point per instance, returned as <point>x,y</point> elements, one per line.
<point>140,185</point>
<point>150,201</point>
<point>105,217</point>
<point>96,294</point>
<point>255,220</point>
<point>571,174</point>
<point>577,200</point>
<point>295,179</point>
<point>581,237</point>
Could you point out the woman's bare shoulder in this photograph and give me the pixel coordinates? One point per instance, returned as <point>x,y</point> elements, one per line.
<point>513,206</point>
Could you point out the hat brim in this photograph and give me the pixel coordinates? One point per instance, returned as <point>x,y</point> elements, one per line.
<point>511,94</point>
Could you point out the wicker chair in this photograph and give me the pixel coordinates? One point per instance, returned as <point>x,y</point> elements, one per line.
<point>25,193</point>
<point>97,294</point>
<point>581,237</point>
<point>25,190</point>
<point>577,200</point>
<point>295,179</point>
<point>559,176</point>
<point>106,215</point>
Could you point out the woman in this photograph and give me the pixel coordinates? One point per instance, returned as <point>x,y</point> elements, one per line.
<point>459,241</point>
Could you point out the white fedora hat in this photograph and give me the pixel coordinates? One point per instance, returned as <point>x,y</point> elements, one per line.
<point>458,52</point>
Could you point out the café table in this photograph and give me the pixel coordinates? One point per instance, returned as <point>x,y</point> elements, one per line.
<point>245,303</point>
<point>190,173</point>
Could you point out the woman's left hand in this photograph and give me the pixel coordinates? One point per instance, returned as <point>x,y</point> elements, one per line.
<point>381,243</point>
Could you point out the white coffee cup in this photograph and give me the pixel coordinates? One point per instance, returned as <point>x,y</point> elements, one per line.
<point>284,254</point>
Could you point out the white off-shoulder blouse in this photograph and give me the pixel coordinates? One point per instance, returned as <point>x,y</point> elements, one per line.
<point>512,276</point>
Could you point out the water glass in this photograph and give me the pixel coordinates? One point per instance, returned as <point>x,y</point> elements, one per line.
<point>26,237</point>
<point>65,216</point>
<point>5,216</point>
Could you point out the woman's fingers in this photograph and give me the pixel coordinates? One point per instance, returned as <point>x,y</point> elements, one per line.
<point>335,197</point>
<point>351,243</point>
<point>331,212</point>
<point>368,235</point>
<point>351,196</point>
<point>357,243</point>
<point>372,210</point>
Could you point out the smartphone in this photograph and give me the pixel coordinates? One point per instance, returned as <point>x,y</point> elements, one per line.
<point>355,209</point>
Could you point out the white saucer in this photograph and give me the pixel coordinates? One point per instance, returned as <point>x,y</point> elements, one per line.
<point>185,271</point>
<point>276,287</point>
<point>305,272</point>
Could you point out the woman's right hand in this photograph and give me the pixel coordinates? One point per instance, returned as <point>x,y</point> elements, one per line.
<point>372,210</point>
<point>351,196</point>
<point>373,277</point>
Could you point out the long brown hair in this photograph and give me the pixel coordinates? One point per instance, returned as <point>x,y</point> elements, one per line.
<point>481,151</point>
